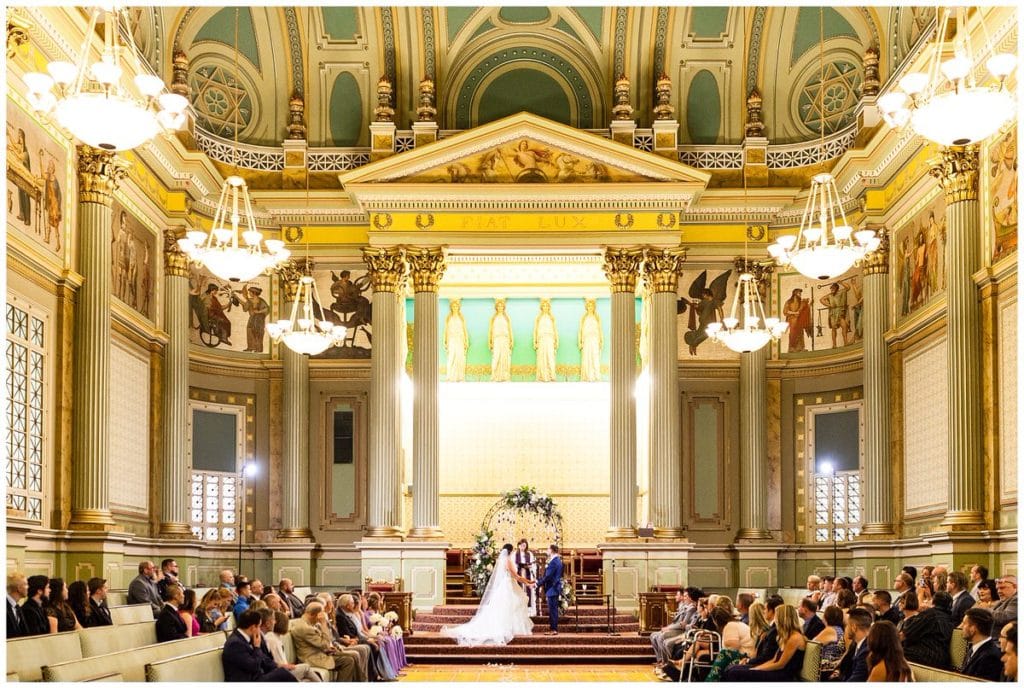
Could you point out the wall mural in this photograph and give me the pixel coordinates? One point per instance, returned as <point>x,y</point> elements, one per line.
<point>347,300</point>
<point>526,162</point>
<point>1001,176</point>
<point>821,315</point>
<point>918,257</point>
<point>132,261</point>
<point>229,316</point>
<point>705,296</point>
<point>37,189</point>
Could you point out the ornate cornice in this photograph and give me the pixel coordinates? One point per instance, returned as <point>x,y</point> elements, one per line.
<point>426,266</point>
<point>175,261</point>
<point>957,172</point>
<point>99,173</point>
<point>622,267</point>
<point>386,267</point>
<point>661,268</point>
<point>877,262</point>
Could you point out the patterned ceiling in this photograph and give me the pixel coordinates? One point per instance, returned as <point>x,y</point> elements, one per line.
<point>556,62</point>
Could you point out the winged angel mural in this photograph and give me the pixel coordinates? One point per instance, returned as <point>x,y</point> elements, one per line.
<point>705,305</point>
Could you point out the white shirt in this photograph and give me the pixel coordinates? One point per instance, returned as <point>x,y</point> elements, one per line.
<point>976,646</point>
<point>974,590</point>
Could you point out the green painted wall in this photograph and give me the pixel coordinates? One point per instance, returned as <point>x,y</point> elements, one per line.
<point>563,26</point>
<point>524,89</point>
<point>457,17</point>
<point>808,30</point>
<point>708,22</point>
<point>593,16</point>
<point>524,15</point>
<point>346,110</point>
<point>703,108</point>
<point>341,23</point>
<point>221,28</point>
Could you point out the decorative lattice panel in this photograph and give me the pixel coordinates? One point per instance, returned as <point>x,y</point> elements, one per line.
<point>925,419</point>
<point>214,506</point>
<point>129,430</point>
<point>1008,399</point>
<point>26,416</point>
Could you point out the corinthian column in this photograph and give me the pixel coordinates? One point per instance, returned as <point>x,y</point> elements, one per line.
<point>958,174</point>
<point>426,266</point>
<point>661,272</point>
<point>295,432</point>
<point>174,516</point>
<point>99,173</point>
<point>387,275</point>
<point>878,518</point>
<point>622,266</point>
<point>754,426</point>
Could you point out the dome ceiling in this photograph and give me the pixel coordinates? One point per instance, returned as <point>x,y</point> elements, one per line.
<point>555,62</point>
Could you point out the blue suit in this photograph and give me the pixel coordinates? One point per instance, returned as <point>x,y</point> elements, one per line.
<point>551,581</point>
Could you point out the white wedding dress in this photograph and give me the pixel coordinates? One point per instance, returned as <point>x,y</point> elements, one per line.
<point>502,614</point>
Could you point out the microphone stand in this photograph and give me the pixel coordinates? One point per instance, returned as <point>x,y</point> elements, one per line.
<point>611,609</point>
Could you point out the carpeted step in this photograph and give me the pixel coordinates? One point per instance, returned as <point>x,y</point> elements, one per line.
<point>539,639</point>
<point>436,617</point>
<point>559,659</point>
<point>590,628</point>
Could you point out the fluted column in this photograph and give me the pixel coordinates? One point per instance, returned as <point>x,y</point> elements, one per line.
<point>387,275</point>
<point>174,511</point>
<point>661,272</point>
<point>754,427</point>
<point>295,430</point>
<point>958,174</point>
<point>426,267</point>
<point>622,267</point>
<point>878,510</point>
<point>99,173</point>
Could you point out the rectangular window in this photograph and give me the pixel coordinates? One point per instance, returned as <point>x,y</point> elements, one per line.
<point>845,500</point>
<point>26,357</point>
<point>835,454</point>
<point>344,445</point>
<point>216,443</point>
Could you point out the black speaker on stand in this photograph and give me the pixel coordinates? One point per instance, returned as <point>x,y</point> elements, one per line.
<point>611,608</point>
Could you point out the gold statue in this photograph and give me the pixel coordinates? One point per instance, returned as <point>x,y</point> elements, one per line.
<point>456,341</point>
<point>499,341</point>
<point>545,342</point>
<point>591,339</point>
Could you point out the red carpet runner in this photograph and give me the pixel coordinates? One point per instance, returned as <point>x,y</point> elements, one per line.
<point>589,644</point>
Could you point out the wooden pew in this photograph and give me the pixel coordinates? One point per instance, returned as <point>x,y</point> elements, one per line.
<point>131,664</point>
<point>197,667</point>
<point>811,669</point>
<point>26,656</point>
<point>927,674</point>
<point>131,613</point>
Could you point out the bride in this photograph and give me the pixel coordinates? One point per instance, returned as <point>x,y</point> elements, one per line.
<point>503,610</point>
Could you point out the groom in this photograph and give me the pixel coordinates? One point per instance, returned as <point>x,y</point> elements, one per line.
<point>551,581</point>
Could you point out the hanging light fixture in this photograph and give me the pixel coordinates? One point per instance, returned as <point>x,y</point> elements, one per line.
<point>94,104</point>
<point>304,333</point>
<point>951,109</point>
<point>220,250</point>
<point>752,330</point>
<point>824,247</point>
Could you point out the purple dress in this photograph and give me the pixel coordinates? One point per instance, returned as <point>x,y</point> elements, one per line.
<point>394,648</point>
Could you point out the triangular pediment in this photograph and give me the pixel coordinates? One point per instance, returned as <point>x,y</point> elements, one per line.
<point>526,149</point>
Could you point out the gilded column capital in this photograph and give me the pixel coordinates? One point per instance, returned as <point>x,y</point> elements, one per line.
<point>877,262</point>
<point>761,271</point>
<point>175,260</point>
<point>957,171</point>
<point>386,268</point>
<point>99,173</point>
<point>426,266</point>
<point>290,274</point>
<point>661,268</point>
<point>622,267</point>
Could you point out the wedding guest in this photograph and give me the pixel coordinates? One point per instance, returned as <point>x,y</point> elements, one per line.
<point>853,667</point>
<point>143,588</point>
<point>1005,610</point>
<point>243,658</point>
<point>926,635</point>
<point>100,612</point>
<point>883,605</point>
<point>287,592</point>
<point>78,598</point>
<point>169,624</point>
<point>758,624</point>
<point>1008,641</point>
<point>275,644</point>
<point>204,613</point>
<point>674,629</point>
<point>886,662</point>
<point>979,573</point>
<point>789,658</point>
<point>808,613</point>
<point>58,612</point>
<point>832,639</point>
<point>187,612</point>
<point>983,658</point>
<point>393,646</point>
<point>35,616</point>
<point>988,596</point>
<point>17,589</point>
<point>313,645</point>
<point>956,585</point>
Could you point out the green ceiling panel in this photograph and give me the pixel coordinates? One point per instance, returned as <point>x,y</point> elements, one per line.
<point>341,23</point>
<point>524,89</point>
<point>593,16</point>
<point>221,28</point>
<point>524,15</point>
<point>703,108</point>
<point>457,17</point>
<point>562,25</point>
<point>346,111</point>
<point>709,22</point>
<point>484,27</point>
<point>808,30</point>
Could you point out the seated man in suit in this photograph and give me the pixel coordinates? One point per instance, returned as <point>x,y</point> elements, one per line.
<point>17,589</point>
<point>314,647</point>
<point>244,659</point>
<point>98,603</point>
<point>854,666</point>
<point>143,588</point>
<point>983,658</point>
<point>36,622</point>
<point>287,592</point>
<point>812,625</point>
<point>660,639</point>
<point>169,624</point>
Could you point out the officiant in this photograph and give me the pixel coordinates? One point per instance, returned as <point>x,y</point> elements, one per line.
<point>526,566</point>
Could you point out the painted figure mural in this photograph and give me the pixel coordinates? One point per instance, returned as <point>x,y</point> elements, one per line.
<point>36,182</point>
<point>132,255</point>
<point>821,315</point>
<point>219,314</point>
<point>920,258</point>
<point>705,304</point>
<point>351,306</point>
<point>1002,184</point>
